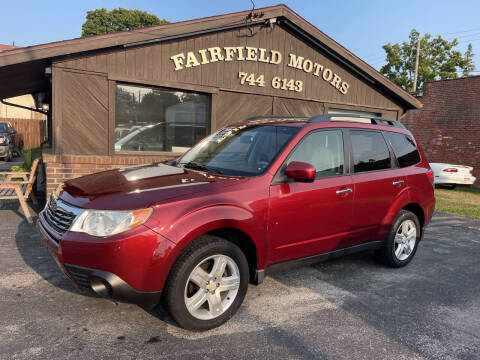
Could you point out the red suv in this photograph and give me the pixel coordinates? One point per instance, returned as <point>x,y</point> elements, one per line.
<point>247,199</point>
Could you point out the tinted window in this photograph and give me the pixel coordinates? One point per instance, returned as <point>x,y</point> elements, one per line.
<point>240,150</point>
<point>370,151</point>
<point>322,149</point>
<point>404,149</point>
<point>151,119</point>
<point>3,127</point>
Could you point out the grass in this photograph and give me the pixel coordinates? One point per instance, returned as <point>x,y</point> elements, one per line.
<point>462,201</point>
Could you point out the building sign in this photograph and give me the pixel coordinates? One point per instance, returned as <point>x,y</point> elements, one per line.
<point>272,57</point>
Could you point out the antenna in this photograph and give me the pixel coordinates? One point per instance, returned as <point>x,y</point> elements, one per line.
<point>249,17</point>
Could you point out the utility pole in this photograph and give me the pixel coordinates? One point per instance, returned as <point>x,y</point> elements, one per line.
<point>416,66</point>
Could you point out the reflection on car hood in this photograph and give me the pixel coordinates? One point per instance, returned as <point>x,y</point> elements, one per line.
<point>137,187</point>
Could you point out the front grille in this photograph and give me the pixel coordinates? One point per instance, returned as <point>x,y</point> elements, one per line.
<point>60,215</point>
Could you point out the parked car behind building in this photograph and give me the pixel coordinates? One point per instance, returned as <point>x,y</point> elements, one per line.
<point>452,175</point>
<point>7,140</point>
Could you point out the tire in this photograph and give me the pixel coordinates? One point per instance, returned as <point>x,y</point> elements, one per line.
<point>390,254</point>
<point>193,278</point>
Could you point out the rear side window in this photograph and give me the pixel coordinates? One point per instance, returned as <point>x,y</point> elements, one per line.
<point>370,151</point>
<point>404,149</point>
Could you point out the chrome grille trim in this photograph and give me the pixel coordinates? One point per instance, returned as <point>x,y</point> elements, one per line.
<point>60,215</point>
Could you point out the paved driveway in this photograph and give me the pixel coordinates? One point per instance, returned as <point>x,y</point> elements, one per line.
<point>5,166</point>
<point>349,308</point>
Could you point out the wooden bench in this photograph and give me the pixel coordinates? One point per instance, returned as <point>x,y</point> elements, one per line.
<point>20,190</point>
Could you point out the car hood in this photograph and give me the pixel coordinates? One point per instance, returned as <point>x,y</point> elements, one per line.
<point>136,187</point>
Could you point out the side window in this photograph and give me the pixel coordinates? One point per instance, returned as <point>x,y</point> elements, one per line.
<point>404,149</point>
<point>322,149</point>
<point>370,151</point>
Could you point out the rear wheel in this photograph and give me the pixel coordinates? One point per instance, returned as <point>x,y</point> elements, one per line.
<point>402,241</point>
<point>207,284</point>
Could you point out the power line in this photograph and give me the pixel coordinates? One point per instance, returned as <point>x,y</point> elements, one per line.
<point>460,32</point>
<point>462,37</point>
<point>470,40</point>
<point>372,58</point>
<point>377,58</point>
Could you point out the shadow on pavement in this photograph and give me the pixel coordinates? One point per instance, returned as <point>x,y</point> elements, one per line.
<point>426,307</point>
<point>36,255</point>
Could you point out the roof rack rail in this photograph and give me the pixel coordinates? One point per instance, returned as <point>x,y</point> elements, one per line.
<point>373,119</point>
<point>259,117</point>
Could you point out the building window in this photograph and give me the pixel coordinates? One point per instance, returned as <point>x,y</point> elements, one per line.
<point>153,119</point>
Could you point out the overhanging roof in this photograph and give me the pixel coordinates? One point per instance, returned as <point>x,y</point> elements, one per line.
<point>19,67</point>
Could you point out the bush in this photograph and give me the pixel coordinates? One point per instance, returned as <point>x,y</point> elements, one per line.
<point>28,156</point>
<point>16,168</point>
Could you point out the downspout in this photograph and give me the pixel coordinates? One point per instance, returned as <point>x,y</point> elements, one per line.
<point>23,107</point>
<point>31,109</point>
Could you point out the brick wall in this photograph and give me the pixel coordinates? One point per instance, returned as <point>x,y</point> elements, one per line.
<point>61,168</point>
<point>447,127</point>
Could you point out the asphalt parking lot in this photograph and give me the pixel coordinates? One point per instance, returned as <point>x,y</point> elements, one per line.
<point>349,308</point>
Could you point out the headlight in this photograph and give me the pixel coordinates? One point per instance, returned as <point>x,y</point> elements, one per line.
<point>106,223</point>
<point>3,140</point>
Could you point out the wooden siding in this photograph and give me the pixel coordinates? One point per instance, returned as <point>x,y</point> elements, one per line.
<point>83,86</point>
<point>294,107</point>
<point>231,107</point>
<point>152,64</point>
<point>81,113</point>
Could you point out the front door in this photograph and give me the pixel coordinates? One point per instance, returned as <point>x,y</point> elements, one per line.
<point>311,218</point>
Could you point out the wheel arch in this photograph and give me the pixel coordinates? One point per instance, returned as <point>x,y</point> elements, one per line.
<point>244,242</point>
<point>418,211</point>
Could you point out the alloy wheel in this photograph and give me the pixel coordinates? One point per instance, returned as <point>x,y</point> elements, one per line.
<point>405,239</point>
<point>212,287</point>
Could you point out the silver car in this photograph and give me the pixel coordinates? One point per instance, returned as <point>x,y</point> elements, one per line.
<point>7,140</point>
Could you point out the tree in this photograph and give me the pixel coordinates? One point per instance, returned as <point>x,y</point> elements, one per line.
<point>469,66</point>
<point>102,21</point>
<point>438,60</point>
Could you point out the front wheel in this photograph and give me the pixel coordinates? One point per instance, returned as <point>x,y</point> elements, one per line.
<point>402,241</point>
<point>207,284</point>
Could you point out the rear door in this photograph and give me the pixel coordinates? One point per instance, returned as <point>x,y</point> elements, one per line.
<point>312,218</point>
<point>377,182</point>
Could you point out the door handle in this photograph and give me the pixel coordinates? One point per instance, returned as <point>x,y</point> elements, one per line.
<point>344,191</point>
<point>398,182</point>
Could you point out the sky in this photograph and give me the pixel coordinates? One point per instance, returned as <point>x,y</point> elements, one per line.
<point>360,26</point>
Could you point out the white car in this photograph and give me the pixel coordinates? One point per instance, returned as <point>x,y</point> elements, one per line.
<point>448,174</point>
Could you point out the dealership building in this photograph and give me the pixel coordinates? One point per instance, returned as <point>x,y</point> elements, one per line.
<point>150,94</point>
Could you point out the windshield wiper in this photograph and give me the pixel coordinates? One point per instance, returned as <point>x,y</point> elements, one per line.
<point>195,166</point>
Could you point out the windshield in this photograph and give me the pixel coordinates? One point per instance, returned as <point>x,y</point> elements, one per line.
<point>3,128</point>
<point>245,150</point>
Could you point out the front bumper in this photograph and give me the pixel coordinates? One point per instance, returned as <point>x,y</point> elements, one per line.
<point>103,283</point>
<point>108,285</point>
<point>460,180</point>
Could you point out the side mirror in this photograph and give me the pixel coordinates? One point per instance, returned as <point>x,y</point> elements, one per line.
<point>300,171</point>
